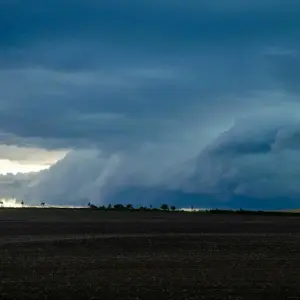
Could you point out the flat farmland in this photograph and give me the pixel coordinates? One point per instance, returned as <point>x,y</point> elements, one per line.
<point>89,254</point>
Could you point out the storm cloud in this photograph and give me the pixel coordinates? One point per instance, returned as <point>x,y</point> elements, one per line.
<point>166,95</point>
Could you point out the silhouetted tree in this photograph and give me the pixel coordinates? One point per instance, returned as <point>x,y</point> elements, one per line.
<point>129,206</point>
<point>143,208</point>
<point>119,207</point>
<point>164,207</point>
<point>92,206</point>
<point>173,208</point>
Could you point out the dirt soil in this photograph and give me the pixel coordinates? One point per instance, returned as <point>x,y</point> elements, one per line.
<point>85,254</point>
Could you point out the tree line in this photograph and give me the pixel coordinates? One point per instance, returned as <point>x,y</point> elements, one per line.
<point>173,208</point>
<point>130,207</point>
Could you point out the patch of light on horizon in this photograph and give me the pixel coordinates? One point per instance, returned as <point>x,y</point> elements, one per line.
<point>194,209</point>
<point>9,203</point>
<point>13,203</point>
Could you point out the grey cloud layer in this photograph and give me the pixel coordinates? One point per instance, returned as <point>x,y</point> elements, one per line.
<point>124,105</point>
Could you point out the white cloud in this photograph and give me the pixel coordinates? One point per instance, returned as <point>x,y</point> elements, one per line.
<point>15,159</point>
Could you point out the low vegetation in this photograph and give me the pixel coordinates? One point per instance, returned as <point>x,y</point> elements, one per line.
<point>172,208</point>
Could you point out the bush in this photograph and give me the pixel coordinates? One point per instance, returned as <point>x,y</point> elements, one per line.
<point>164,207</point>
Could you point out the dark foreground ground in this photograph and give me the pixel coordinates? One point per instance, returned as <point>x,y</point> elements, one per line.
<point>85,254</point>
